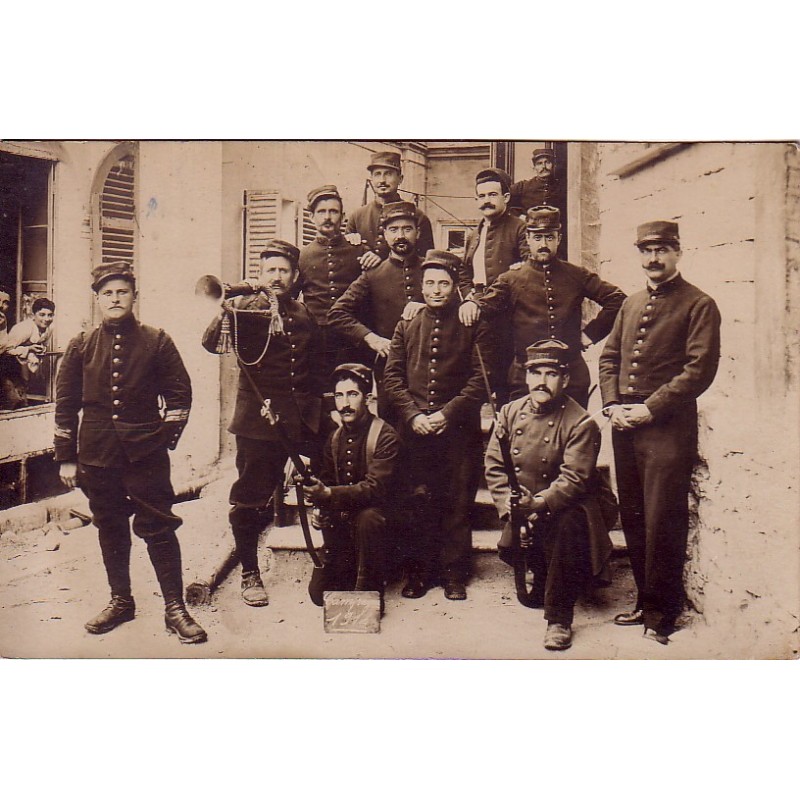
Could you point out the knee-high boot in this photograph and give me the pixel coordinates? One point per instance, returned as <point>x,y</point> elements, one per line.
<point>115,547</point>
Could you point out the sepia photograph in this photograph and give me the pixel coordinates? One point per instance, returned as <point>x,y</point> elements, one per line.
<point>399,399</point>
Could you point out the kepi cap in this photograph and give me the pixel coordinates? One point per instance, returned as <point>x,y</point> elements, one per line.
<point>494,174</point>
<point>547,352</point>
<point>657,231</point>
<point>401,210</point>
<point>358,372</point>
<point>543,152</point>
<point>386,159</point>
<point>277,247</point>
<point>543,218</point>
<point>443,259</point>
<point>322,192</point>
<point>116,269</point>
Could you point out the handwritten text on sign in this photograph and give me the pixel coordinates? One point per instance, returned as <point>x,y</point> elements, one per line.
<point>352,612</point>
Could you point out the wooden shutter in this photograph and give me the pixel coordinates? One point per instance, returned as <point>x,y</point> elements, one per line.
<point>118,213</point>
<point>260,224</point>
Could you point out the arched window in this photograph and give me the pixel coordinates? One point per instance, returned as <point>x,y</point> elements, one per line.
<point>114,203</point>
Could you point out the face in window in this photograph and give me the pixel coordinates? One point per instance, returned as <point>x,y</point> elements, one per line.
<point>278,274</point>
<point>545,383</point>
<point>350,400</point>
<point>384,181</point>
<point>401,236</point>
<point>5,304</point>
<point>44,318</point>
<point>659,261</point>
<point>492,201</point>
<point>543,167</point>
<point>115,299</point>
<point>437,287</point>
<point>327,216</point>
<point>543,245</point>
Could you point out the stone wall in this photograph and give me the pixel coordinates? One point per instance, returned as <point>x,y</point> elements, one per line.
<point>737,206</point>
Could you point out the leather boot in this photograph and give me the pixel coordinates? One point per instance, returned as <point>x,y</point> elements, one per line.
<point>165,555</point>
<point>119,610</point>
<point>115,546</point>
<point>253,591</point>
<point>179,622</point>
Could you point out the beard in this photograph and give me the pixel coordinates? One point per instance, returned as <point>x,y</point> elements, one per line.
<point>402,247</point>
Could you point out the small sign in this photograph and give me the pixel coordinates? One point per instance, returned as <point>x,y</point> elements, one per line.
<point>352,612</point>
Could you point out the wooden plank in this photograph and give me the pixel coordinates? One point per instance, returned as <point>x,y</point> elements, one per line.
<point>352,612</point>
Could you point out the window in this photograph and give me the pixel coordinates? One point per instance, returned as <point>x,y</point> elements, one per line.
<point>26,212</point>
<point>455,238</point>
<point>118,212</point>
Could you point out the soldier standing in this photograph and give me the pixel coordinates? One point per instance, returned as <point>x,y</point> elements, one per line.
<point>365,225</point>
<point>662,354</point>
<point>498,242</point>
<point>554,446</point>
<point>276,344</point>
<point>373,305</point>
<point>543,189</point>
<point>116,375</point>
<point>544,298</point>
<point>352,490</point>
<point>433,378</point>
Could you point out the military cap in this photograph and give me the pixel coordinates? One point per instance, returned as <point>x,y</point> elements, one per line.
<point>386,160</point>
<point>116,269</point>
<point>321,193</point>
<point>401,210</point>
<point>277,247</point>
<point>547,352</point>
<point>358,372</point>
<point>543,218</point>
<point>543,152</point>
<point>657,231</point>
<point>494,174</point>
<point>443,259</point>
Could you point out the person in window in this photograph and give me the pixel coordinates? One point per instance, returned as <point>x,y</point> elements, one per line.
<point>543,189</point>
<point>365,227</point>
<point>114,378</point>
<point>25,344</point>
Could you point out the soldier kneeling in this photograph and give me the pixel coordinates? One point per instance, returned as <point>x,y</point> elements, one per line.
<point>352,489</point>
<point>553,445</point>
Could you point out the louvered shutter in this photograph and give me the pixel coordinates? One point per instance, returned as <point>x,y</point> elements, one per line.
<point>118,213</point>
<point>260,224</point>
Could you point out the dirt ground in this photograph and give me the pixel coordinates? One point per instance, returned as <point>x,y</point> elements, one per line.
<point>52,582</point>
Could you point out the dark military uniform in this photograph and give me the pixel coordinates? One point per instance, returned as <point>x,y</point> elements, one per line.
<point>354,517</point>
<point>538,192</point>
<point>505,244</point>
<point>327,268</point>
<point>117,375</point>
<point>545,302</point>
<point>284,368</point>
<point>663,351</point>
<point>554,450</point>
<point>433,366</point>
<point>374,303</point>
<point>367,221</point>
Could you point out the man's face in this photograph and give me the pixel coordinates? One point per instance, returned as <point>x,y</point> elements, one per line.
<point>492,201</point>
<point>401,236</point>
<point>543,167</point>
<point>350,400</point>
<point>44,318</point>
<point>660,261</point>
<point>384,181</point>
<point>115,298</point>
<point>327,216</point>
<point>543,245</point>
<point>437,287</point>
<point>5,304</point>
<point>278,274</point>
<point>545,383</point>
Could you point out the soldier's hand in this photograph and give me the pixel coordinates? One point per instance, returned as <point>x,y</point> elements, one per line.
<point>412,309</point>
<point>637,414</point>
<point>369,260</point>
<point>469,312</point>
<point>68,473</point>
<point>421,425</point>
<point>316,491</point>
<point>378,343</point>
<point>526,501</point>
<point>353,238</point>
<point>438,422</point>
<point>618,419</point>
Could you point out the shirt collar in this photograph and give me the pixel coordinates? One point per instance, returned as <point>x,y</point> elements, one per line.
<point>334,240</point>
<point>666,285</point>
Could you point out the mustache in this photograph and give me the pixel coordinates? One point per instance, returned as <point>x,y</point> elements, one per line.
<point>542,389</point>
<point>543,250</point>
<point>346,411</point>
<point>487,205</point>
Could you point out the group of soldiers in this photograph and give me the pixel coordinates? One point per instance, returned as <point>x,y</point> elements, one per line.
<point>435,337</point>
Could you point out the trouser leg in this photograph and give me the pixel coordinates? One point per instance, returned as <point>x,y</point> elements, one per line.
<point>369,527</point>
<point>566,545</point>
